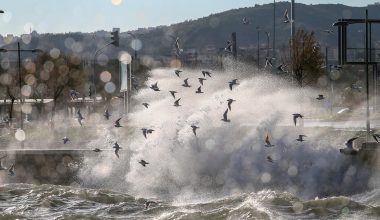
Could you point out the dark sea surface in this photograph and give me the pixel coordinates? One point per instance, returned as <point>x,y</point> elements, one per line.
<point>26,201</point>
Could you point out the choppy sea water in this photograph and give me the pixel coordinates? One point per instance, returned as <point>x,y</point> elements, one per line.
<point>26,201</point>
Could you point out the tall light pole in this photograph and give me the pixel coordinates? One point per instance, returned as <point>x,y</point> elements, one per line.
<point>368,126</point>
<point>19,50</point>
<point>292,18</point>
<point>274,31</point>
<point>258,46</point>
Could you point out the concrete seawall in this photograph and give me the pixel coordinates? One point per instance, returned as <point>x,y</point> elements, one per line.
<point>43,166</point>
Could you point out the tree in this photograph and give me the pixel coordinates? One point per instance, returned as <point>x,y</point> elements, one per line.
<point>306,58</point>
<point>10,90</point>
<point>59,75</point>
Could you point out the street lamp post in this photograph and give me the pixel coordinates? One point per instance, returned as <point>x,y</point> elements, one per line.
<point>258,46</point>
<point>274,31</point>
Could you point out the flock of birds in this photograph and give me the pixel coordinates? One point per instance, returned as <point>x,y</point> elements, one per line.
<point>231,84</point>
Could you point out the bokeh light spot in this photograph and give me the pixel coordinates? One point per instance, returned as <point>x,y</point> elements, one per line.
<point>44,75</point>
<point>110,87</point>
<point>292,171</point>
<point>5,63</point>
<point>5,79</point>
<point>26,108</point>
<point>105,76</point>
<point>54,53</point>
<point>266,178</point>
<point>30,79</point>
<point>116,2</point>
<point>102,59</point>
<point>28,27</point>
<point>26,38</point>
<point>26,90</point>
<point>48,66</point>
<point>136,44</point>
<point>20,135</point>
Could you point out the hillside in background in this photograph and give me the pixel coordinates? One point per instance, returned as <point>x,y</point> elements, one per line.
<point>214,30</point>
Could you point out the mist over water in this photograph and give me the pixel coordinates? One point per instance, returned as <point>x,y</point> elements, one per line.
<point>225,158</point>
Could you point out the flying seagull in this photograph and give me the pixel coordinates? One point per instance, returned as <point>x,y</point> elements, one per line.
<point>300,138</point>
<point>229,102</point>
<point>117,148</point>
<point>155,87</point>
<point>117,123</point>
<point>186,83</point>
<point>282,68</point>
<point>11,170</point>
<point>146,131</point>
<point>201,80</point>
<point>145,104</point>
<point>143,163</point>
<point>65,140</point>
<point>268,62</point>
<point>356,87</point>
<point>269,159</point>
<point>199,90</point>
<point>194,129</point>
<point>286,16</point>
<point>97,150</point>
<point>1,165</point>
<point>173,93</point>
<point>229,46</point>
<point>295,116</point>
<point>376,137</point>
<point>177,72</point>
<point>328,31</point>
<point>320,97</point>
<point>232,83</point>
<point>349,150</point>
<point>206,73</point>
<point>176,103</point>
<point>267,142</point>
<point>106,114</point>
<point>80,117</point>
<point>225,119</point>
<point>246,21</point>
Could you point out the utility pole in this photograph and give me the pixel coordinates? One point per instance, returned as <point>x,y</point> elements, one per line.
<point>367,75</point>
